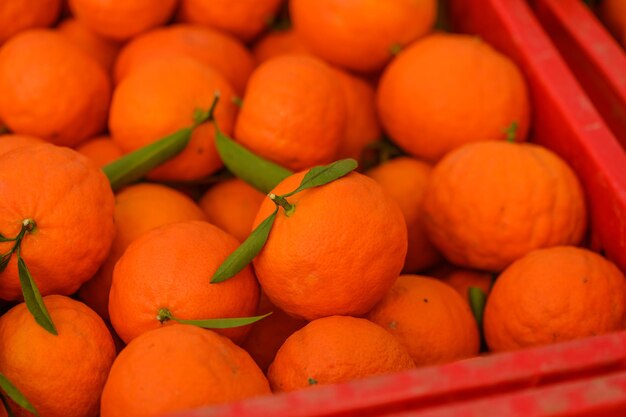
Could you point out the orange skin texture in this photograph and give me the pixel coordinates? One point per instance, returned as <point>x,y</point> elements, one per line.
<point>405,180</point>
<point>170,267</point>
<point>62,375</point>
<point>160,98</point>
<point>103,50</point>
<point>269,334</point>
<point>205,45</point>
<point>336,349</point>
<point>205,368</point>
<point>51,89</point>
<point>489,203</point>
<point>71,202</point>
<point>431,320</point>
<point>359,35</point>
<point>337,254</point>
<point>278,42</point>
<point>552,295</point>
<point>122,20</point>
<point>462,279</point>
<point>232,206</point>
<point>13,141</point>
<point>139,208</point>
<point>101,150</point>
<point>244,19</point>
<point>287,121</point>
<point>362,125</point>
<point>19,15</point>
<point>613,14</point>
<point>428,95</point>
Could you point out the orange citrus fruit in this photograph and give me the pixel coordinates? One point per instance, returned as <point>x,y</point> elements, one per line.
<point>170,267</point>
<point>428,95</point>
<point>61,375</point>
<point>68,202</point>
<point>336,349</point>
<point>554,294</point>
<point>337,254</point>
<point>52,89</point>
<point>284,120</point>
<point>179,368</point>
<point>489,203</point>
<point>431,320</point>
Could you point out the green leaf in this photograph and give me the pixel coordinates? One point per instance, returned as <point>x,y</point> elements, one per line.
<point>15,394</point>
<point>256,171</point>
<point>245,252</point>
<point>222,323</point>
<point>321,175</point>
<point>32,297</point>
<point>511,132</point>
<point>135,165</point>
<point>477,299</point>
<point>4,260</point>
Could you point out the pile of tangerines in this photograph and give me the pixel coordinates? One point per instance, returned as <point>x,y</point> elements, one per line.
<point>153,297</point>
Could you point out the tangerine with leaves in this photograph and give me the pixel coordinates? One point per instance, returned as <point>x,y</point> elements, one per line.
<point>122,20</point>
<point>58,201</point>
<point>554,294</point>
<point>61,375</point>
<point>405,180</point>
<point>428,95</point>
<point>244,19</point>
<point>178,368</point>
<point>334,249</point>
<point>203,44</point>
<point>336,349</point>
<point>139,208</point>
<point>52,89</point>
<point>431,320</point>
<point>164,275</point>
<point>164,96</point>
<point>285,120</point>
<point>489,203</point>
<point>361,35</point>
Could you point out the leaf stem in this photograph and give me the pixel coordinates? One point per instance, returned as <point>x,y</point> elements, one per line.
<point>201,116</point>
<point>282,202</point>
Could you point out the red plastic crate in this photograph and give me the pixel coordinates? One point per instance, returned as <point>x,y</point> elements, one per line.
<point>578,378</point>
<point>593,56</point>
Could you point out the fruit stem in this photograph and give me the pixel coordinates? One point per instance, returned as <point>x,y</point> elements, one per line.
<point>201,116</point>
<point>28,225</point>
<point>282,202</point>
<point>164,315</point>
